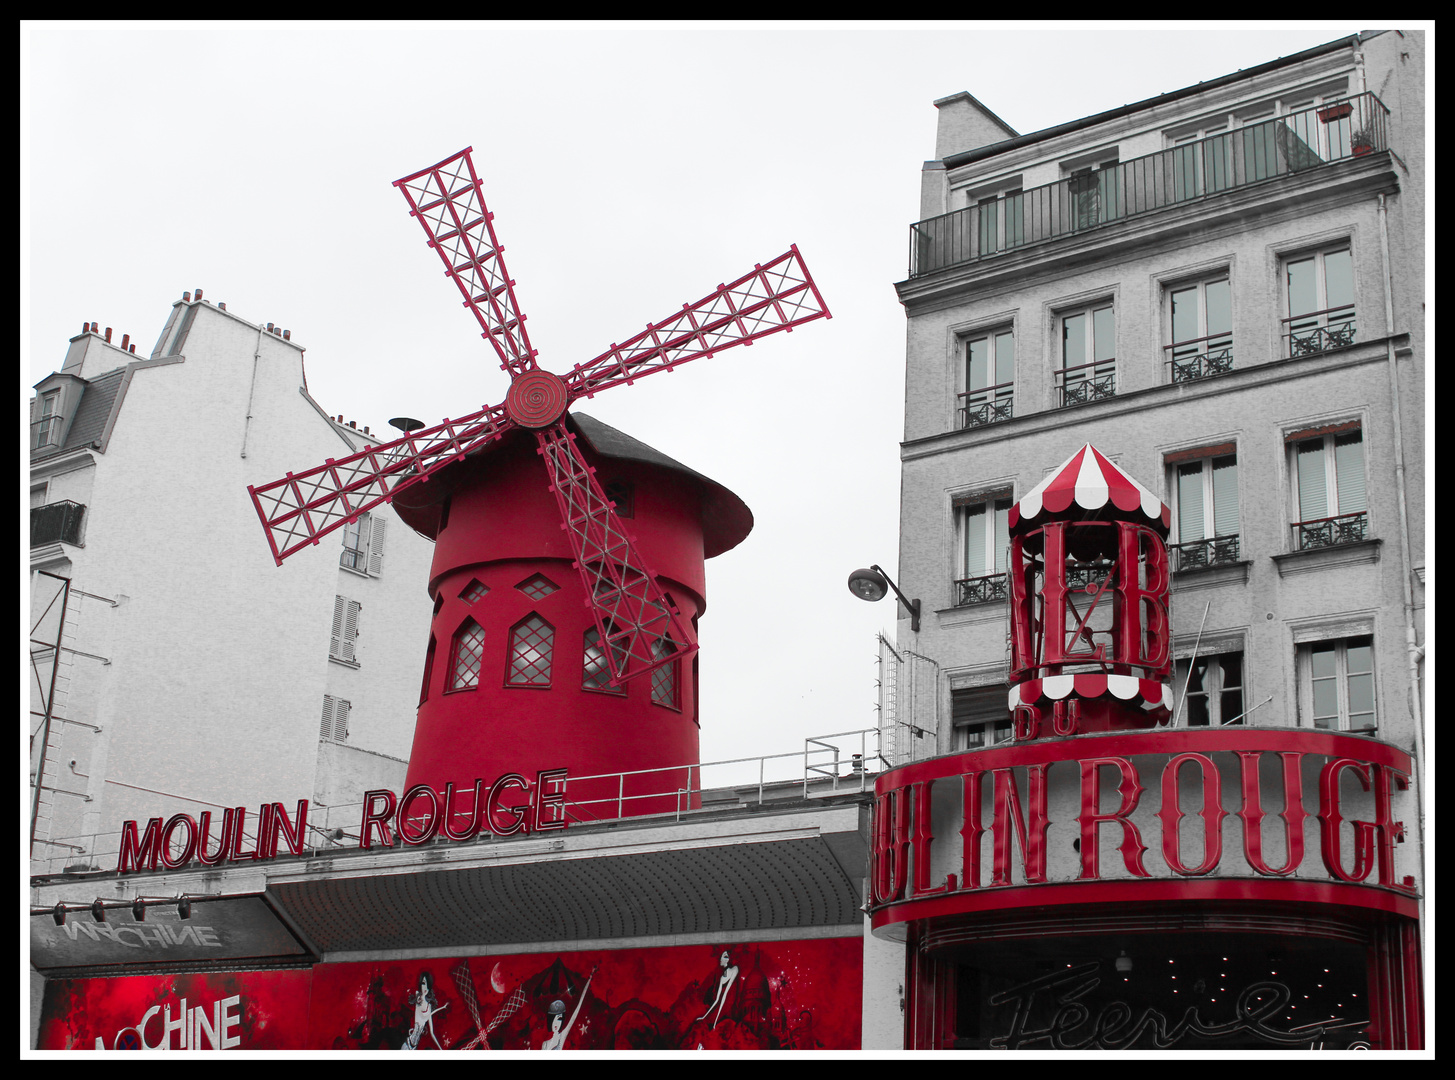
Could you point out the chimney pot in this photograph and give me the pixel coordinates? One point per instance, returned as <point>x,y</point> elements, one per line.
<point>93,328</point>
<point>366,429</point>
<point>187,297</point>
<point>125,340</point>
<point>108,335</point>
<point>353,425</point>
<point>287,335</point>
<point>270,328</point>
<point>221,307</point>
<point>85,328</point>
<point>199,294</point>
<point>132,349</point>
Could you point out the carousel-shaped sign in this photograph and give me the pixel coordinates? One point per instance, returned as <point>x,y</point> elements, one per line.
<point>1088,580</point>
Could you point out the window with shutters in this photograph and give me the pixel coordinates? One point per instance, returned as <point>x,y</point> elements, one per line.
<point>984,536</point>
<point>1329,489</point>
<point>532,643</point>
<point>979,716</point>
<point>345,630</point>
<point>1336,684</point>
<point>466,654</point>
<point>363,541</point>
<point>664,678</point>
<point>335,723</point>
<point>1214,690</point>
<point>595,672</point>
<point>1205,513</point>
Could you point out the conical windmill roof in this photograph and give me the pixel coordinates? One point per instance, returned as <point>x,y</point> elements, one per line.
<point>1092,483</point>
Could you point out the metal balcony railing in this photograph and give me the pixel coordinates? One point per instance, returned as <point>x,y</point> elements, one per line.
<point>1197,358</point>
<point>980,590</point>
<point>1078,386</point>
<point>1330,531</point>
<point>1204,554</point>
<point>987,405</point>
<point>1337,131</point>
<point>56,523</point>
<point>1320,331</point>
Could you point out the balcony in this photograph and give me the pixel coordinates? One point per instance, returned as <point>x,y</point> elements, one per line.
<point>1181,175</point>
<point>56,523</point>
<point>45,432</point>
<point>1330,532</point>
<point>1204,554</point>
<point>987,406</point>
<point>1085,383</point>
<point>1320,331</point>
<point>980,590</point>
<point>1200,358</point>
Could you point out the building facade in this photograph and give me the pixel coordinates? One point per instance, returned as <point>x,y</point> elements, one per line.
<point>192,673</point>
<point>1221,289</point>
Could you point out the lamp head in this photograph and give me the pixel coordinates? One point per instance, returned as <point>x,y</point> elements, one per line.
<point>868,585</point>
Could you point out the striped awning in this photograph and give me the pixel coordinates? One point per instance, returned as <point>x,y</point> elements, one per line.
<point>1092,483</point>
<point>1146,693</point>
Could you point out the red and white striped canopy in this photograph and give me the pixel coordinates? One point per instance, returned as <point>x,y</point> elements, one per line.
<point>1090,481</point>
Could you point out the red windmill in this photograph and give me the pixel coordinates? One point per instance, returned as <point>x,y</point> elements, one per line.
<point>639,628</point>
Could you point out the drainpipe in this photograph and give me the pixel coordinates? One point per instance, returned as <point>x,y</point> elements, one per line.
<point>1413,650</point>
<point>257,353</point>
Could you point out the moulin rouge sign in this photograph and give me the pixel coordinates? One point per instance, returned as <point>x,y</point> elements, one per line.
<point>511,805</point>
<point>1109,785</point>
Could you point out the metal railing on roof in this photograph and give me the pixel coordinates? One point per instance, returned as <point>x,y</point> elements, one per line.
<point>1206,168</point>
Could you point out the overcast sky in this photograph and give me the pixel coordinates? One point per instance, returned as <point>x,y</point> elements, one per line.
<point>631,167</point>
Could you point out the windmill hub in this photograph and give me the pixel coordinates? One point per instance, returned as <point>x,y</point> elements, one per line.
<point>536,399</point>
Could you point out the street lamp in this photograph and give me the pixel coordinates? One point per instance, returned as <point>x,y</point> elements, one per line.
<point>874,584</point>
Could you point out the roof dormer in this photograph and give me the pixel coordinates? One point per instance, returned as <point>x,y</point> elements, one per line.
<point>54,406</point>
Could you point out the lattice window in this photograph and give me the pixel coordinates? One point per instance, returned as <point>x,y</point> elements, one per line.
<point>595,674</point>
<point>532,641</point>
<point>664,678</point>
<point>473,591</point>
<point>465,657</point>
<point>537,586</point>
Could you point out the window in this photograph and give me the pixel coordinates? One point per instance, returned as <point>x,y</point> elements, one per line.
<point>532,641</point>
<point>537,586</point>
<point>621,492</point>
<point>1319,292</point>
<point>473,591</point>
<point>989,378</point>
<point>364,545</point>
<point>466,653</point>
<point>1088,355</point>
<point>1201,161</point>
<point>1094,194</point>
<point>984,536</point>
<point>979,717</point>
<point>1328,478</point>
<point>48,421</point>
<point>1201,336</point>
<point>428,670</point>
<point>37,495</point>
<point>1000,222</point>
<point>664,678</point>
<point>1214,694</point>
<point>1336,684</point>
<point>1206,513</point>
<point>345,630</point>
<point>595,672</point>
<point>335,722</point>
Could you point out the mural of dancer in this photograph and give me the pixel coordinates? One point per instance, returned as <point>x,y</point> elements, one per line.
<point>557,1010</point>
<point>424,1001</point>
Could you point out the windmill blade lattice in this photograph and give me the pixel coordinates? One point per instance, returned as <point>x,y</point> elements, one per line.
<point>639,627</point>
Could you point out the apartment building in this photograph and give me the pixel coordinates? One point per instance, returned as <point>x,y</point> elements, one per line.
<point>1221,289</point>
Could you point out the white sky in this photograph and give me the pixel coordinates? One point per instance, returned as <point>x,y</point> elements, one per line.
<point>631,167</point>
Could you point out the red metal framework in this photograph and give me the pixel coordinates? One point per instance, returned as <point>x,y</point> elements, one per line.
<point>630,610</point>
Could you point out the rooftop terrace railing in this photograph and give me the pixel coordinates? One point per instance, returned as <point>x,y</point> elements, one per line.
<point>1206,168</point>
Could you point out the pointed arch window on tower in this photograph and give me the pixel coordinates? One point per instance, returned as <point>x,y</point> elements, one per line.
<point>532,643</point>
<point>595,673</point>
<point>465,656</point>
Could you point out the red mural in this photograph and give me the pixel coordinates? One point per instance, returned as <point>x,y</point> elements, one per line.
<point>790,995</point>
<point>244,1010</point>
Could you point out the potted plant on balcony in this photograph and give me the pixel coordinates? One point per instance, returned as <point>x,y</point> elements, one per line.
<point>1362,143</point>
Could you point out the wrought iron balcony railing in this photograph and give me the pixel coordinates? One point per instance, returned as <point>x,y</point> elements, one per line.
<point>1204,554</point>
<point>1200,357</point>
<point>1085,386</point>
<point>1320,331</point>
<point>1330,531</point>
<point>1206,168</point>
<point>980,590</point>
<point>987,405</point>
<point>56,523</point>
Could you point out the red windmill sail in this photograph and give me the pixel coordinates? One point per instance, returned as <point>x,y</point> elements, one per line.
<point>631,613</point>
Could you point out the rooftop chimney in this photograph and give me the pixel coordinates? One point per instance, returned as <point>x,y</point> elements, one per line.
<point>199,294</point>
<point>287,335</point>
<point>108,335</point>
<point>125,340</point>
<point>186,297</point>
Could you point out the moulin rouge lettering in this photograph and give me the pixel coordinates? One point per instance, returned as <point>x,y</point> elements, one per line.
<point>509,806</point>
<point>1018,818</point>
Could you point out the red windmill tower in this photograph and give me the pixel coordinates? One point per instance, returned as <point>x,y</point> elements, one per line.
<point>533,569</point>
